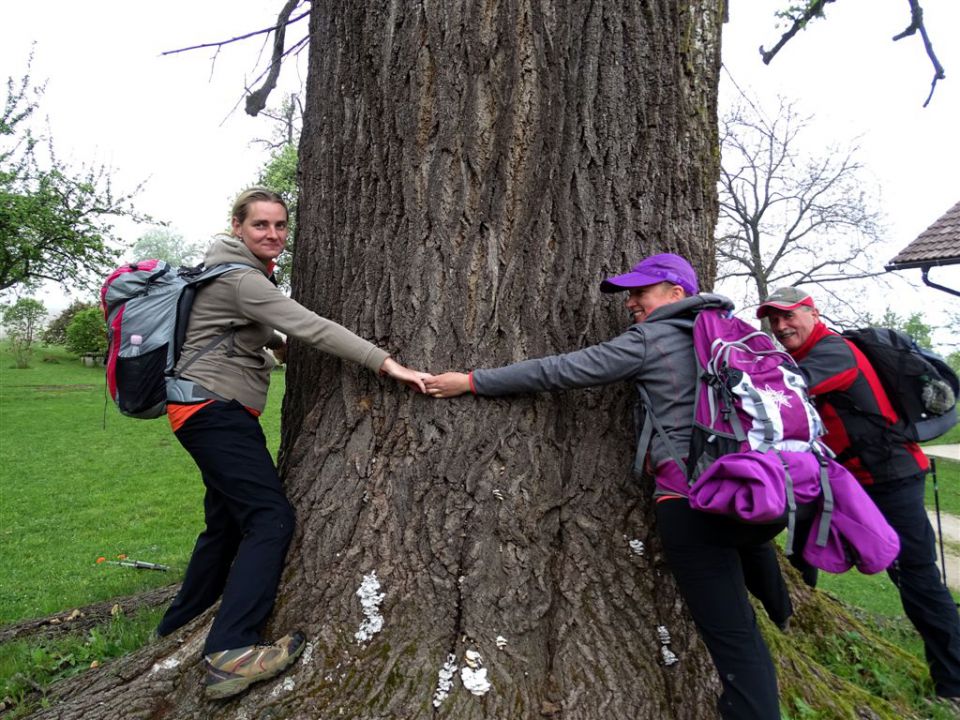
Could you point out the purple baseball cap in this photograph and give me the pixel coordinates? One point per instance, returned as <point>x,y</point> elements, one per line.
<point>665,267</point>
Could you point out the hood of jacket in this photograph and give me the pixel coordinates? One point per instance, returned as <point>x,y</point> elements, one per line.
<point>689,306</point>
<point>229,249</point>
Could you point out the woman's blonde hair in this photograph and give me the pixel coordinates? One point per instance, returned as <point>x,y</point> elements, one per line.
<point>241,207</point>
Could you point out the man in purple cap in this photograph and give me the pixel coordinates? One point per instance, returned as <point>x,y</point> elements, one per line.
<point>714,559</point>
<point>862,432</point>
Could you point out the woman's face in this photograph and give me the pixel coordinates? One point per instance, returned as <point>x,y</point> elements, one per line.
<point>264,231</point>
<point>644,300</point>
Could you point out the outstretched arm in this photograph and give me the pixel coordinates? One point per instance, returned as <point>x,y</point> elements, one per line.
<point>607,362</point>
<point>448,384</point>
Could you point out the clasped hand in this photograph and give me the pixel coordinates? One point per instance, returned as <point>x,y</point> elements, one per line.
<point>445,385</point>
<point>448,384</point>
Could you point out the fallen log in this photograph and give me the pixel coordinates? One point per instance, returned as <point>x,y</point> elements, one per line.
<point>83,618</point>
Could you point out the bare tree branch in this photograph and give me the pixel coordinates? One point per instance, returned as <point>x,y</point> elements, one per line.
<point>814,8</point>
<point>221,43</point>
<point>916,23</point>
<point>286,125</point>
<point>786,215</point>
<point>256,100</point>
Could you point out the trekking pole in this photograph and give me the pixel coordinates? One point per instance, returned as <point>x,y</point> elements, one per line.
<point>936,505</point>
<point>139,564</point>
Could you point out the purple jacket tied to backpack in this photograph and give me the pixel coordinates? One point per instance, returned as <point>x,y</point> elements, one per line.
<point>752,486</point>
<point>755,453</point>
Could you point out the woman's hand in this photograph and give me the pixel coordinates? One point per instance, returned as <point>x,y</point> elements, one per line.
<point>413,378</point>
<point>448,384</point>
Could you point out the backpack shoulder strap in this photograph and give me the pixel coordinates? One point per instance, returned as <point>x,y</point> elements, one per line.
<point>201,274</point>
<point>650,424</point>
<point>195,278</point>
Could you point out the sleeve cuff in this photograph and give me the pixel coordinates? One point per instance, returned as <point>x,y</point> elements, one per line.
<point>473,388</point>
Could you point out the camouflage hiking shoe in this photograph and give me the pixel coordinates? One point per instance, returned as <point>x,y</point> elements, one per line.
<point>232,671</point>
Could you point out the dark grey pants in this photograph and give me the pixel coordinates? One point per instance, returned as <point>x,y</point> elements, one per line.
<point>715,561</point>
<point>249,524</point>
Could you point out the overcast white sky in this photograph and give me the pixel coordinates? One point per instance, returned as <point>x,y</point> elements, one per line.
<point>111,98</point>
<point>859,85</point>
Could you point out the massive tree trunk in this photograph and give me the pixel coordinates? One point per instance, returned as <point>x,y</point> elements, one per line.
<point>470,172</point>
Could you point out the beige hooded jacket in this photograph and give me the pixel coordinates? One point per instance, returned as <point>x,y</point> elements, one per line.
<point>249,304</point>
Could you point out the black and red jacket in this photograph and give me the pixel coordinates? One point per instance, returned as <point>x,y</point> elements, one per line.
<point>855,409</point>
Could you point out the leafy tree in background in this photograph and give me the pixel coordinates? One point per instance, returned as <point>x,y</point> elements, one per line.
<point>162,243</point>
<point>23,321</point>
<point>55,220</point>
<point>789,217</point>
<point>921,332</point>
<point>279,173</point>
<point>913,325</point>
<point>56,331</point>
<point>953,360</point>
<point>87,333</point>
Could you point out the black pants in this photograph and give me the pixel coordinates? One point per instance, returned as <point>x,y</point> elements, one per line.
<point>926,601</point>
<point>249,524</point>
<point>715,561</point>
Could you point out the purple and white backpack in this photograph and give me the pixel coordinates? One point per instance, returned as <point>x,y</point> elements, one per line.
<point>749,394</point>
<point>755,452</point>
<point>147,307</point>
<point>751,411</point>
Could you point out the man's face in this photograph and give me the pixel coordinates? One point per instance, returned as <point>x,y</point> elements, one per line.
<point>644,300</point>
<point>793,327</point>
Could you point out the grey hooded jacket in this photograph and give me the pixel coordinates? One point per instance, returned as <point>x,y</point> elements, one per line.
<point>653,354</point>
<point>247,303</point>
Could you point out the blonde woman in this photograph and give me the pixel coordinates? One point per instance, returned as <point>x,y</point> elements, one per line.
<point>214,413</point>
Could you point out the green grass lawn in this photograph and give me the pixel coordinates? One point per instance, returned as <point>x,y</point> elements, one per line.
<point>79,481</point>
<point>947,484</point>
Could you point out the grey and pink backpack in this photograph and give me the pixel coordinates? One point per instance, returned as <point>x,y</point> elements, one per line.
<point>147,307</point>
<point>755,452</point>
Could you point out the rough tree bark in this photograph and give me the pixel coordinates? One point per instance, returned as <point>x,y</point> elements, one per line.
<point>469,173</point>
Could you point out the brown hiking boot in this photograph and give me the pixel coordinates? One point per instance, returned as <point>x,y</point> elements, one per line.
<point>230,672</point>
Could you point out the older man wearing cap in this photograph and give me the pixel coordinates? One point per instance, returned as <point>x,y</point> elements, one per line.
<point>714,559</point>
<point>861,424</point>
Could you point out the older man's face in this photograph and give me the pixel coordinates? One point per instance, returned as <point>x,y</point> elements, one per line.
<point>793,327</point>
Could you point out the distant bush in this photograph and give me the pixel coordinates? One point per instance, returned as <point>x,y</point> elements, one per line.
<point>56,332</point>
<point>953,360</point>
<point>23,322</point>
<point>87,333</point>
